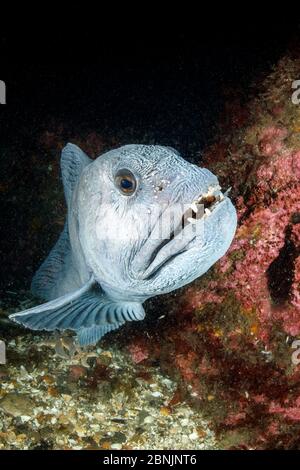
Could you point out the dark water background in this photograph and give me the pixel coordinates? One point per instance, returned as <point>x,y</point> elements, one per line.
<point>169,92</point>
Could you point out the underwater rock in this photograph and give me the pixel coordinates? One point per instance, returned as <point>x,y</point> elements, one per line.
<point>77,372</point>
<point>4,373</point>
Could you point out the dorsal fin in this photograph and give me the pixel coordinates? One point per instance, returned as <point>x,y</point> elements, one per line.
<point>57,267</point>
<point>50,271</point>
<point>72,162</point>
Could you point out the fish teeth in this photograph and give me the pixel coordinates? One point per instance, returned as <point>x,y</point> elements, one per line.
<point>191,220</point>
<point>194,206</point>
<point>228,191</point>
<point>207,211</point>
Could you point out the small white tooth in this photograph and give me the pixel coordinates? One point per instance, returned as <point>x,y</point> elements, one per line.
<point>194,207</point>
<point>191,221</point>
<point>221,197</point>
<point>228,191</point>
<point>207,211</point>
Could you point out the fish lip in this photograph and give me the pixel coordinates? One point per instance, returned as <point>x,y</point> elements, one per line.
<point>150,273</point>
<point>165,271</point>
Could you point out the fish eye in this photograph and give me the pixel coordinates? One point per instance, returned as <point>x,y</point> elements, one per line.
<point>125,181</point>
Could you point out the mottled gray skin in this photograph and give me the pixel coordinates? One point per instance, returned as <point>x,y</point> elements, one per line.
<point>133,267</point>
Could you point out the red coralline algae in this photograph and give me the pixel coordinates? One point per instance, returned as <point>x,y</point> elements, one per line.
<point>138,351</point>
<point>235,418</point>
<point>266,185</point>
<point>195,299</point>
<point>186,365</point>
<point>295,291</point>
<point>290,412</point>
<point>259,241</point>
<point>270,141</point>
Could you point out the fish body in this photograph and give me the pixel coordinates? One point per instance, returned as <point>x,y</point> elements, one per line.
<point>141,221</point>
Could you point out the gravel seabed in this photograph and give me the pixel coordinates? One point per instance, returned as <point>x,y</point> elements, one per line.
<point>53,396</point>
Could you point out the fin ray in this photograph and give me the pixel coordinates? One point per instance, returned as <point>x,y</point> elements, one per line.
<point>46,276</point>
<point>88,311</point>
<point>93,334</point>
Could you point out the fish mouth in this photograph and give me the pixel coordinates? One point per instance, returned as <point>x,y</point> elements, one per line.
<point>187,230</point>
<point>203,205</point>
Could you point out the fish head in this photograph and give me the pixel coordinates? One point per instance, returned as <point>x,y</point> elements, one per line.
<point>150,222</point>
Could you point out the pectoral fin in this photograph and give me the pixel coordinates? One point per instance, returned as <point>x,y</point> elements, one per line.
<point>88,311</point>
<point>93,334</point>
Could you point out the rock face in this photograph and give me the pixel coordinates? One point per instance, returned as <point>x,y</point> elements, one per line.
<point>234,329</point>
